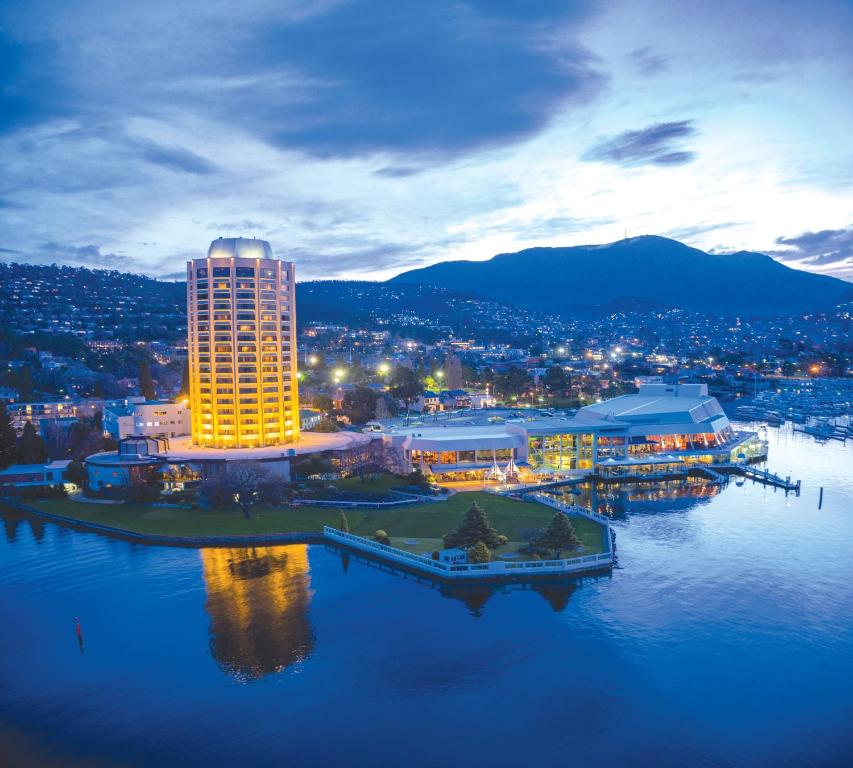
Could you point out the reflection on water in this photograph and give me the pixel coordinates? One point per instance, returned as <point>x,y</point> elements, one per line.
<point>618,501</point>
<point>258,600</point>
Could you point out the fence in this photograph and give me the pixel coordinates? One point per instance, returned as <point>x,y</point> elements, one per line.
<point>468,570</point>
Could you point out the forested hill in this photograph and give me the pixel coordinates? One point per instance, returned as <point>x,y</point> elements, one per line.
<point>640,271</point>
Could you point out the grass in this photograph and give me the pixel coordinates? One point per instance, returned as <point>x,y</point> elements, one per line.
<point>372,485</point>
<point>425,522</point>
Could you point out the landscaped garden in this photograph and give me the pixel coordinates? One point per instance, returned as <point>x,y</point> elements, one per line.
<point>415,527</point>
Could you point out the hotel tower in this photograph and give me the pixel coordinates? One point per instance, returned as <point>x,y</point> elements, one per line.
<point>242,346</point>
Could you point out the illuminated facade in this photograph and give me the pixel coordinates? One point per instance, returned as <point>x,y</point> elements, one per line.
<point>241,307</point>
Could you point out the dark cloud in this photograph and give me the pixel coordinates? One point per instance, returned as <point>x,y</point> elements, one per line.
<point>434,77</point>
<point>397,171</point>
<point>10,250</point>
<point>828,246</point>
<point>174,158</point>
<point>655,145</point>
<point>647,62</point>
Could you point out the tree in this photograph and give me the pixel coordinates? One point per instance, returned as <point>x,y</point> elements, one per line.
<point>360,404</point>
<point>386,407</point>
<point>146,381</point>
<point>344,523</point>
<point>184,392</point>
<point>453,377</point>
<point>405,386</point>
<point>513,383</point>
<point>556,380</point>
<point>76,473</point>
<point>475,527</point>
<point>323,403</point>
<point>31,448</point>
<point>479,553</point>
<point>7,438</point>
<point>382,537</point>
<point>558,536</point>
<point>245,480</point>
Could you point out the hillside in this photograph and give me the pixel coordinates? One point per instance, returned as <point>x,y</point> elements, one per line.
<point>638,272</point>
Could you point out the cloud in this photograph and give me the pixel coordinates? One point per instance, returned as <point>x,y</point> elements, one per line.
<point>397,171</point>
<point>828,247</point>
<point>647,62</point>
<point>434,77</point>
<point>655,145</point>
<point>173,158</point>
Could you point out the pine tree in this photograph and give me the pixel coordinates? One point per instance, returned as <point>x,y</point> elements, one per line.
<point>146,382</point>
<point>7,438</point>
<point>31,448</point>
<point>558,536</point>
<point>475,527</point>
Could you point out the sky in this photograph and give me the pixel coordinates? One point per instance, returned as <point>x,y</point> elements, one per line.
<point>366,138</point>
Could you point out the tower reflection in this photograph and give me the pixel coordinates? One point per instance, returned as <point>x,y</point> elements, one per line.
<point>258,600</point>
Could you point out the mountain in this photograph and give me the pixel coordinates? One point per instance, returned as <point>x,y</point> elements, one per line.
<point>638,272</point>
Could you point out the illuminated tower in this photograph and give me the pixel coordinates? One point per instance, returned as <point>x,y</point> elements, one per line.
<point>241,311</point>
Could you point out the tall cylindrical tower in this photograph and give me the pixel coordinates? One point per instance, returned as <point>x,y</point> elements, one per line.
<point>241,309</point>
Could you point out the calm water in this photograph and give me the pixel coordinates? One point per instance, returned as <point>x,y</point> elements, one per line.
<point>725,638</point>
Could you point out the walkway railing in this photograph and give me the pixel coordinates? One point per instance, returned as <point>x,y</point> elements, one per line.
<point>467,570</point>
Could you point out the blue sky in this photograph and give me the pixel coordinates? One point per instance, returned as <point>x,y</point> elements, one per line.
<point>364,138</point>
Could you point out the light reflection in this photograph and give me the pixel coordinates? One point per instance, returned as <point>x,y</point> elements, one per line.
<point>258,600</point>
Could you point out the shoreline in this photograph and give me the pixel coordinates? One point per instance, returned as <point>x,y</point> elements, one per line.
<point>161,539</point>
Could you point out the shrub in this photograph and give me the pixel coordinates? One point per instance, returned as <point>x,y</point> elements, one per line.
<point>479,553</point>
<point>381,537</point>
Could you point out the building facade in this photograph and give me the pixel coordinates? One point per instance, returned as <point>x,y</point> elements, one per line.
<point>660,429</point>
<point>154,418</point>
<point>242,346</point>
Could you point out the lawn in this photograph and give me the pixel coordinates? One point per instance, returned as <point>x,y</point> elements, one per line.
<point>425,522</point>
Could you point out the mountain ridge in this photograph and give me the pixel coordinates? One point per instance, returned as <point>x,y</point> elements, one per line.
<point>649,269</point>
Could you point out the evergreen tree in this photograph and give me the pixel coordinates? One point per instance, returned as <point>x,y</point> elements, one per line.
<point>7,438</point>
<point>475,527</point>
<point>558,536</point>
<point>146,382</point>
<point>31,448</point>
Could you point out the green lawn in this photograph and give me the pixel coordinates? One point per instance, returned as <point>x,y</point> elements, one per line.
<point>372,485</point>
<point>425,522</point>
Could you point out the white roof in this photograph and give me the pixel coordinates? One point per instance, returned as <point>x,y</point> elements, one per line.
<point>658,403</point>
<point>479,437</point>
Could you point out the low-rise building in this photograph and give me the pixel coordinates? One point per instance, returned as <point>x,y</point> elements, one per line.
<point>152,418</point>
<point>23,475</point>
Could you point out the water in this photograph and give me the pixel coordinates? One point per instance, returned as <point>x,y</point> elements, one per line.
<point>725,639</point>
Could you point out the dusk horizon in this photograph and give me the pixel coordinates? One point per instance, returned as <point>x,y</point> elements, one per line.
<point>361,140</point>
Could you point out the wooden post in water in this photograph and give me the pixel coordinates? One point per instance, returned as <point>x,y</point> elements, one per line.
<point>820,499</point>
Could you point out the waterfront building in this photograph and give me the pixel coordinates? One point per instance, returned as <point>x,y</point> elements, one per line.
<point>660,429</point>
<point>242,346</point>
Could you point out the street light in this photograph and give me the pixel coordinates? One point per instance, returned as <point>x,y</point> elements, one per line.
<point>383,368</point>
